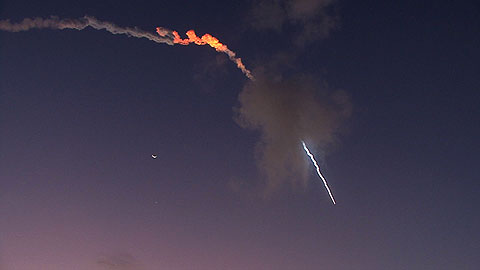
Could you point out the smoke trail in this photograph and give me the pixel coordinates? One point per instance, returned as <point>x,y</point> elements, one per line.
<point>80,24</point>
<point>210,40</point>
<point>164,35</point>
<point>318,171</point>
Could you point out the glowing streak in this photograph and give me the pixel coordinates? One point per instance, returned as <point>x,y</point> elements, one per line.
<point>318,171</point>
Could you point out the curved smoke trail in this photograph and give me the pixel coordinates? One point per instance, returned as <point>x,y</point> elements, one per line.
<point>163,35</point>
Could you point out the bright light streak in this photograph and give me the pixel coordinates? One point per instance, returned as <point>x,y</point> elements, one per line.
<point>318,171</point>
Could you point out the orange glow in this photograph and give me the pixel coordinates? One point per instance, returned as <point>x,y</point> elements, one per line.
<point>213,42</point>
<point>205,39</point>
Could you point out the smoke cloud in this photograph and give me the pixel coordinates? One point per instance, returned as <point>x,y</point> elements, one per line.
<point>311,19</point>
<point>81,23</point>
<point>287,110</point>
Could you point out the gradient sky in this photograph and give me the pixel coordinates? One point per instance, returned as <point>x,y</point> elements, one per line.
<point>82,111</point>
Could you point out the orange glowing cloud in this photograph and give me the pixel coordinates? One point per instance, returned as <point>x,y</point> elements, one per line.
<point>212,42</point>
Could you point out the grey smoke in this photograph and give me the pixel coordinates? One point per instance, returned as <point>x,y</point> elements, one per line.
<point>80,24</point>
<point>286,110</point>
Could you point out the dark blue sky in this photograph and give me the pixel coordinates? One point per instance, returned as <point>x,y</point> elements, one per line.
<point>82,111</point>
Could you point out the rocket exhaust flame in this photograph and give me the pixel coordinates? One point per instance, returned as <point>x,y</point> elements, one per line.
<point>318,171</point>
<point>210,40</point>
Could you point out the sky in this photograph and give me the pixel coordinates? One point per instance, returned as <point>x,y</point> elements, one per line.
<point>385,93</point>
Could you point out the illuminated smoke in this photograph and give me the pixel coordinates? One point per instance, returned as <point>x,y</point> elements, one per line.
<point>80,24</point>
<point>210,40</point>
<point>318,171</point>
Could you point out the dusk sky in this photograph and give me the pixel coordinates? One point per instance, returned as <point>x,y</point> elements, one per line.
<point>384,93</point>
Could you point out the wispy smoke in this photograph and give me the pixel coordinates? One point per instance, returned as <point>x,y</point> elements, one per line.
<point>287,110</point>
<point>80,24</point>
<point>122,261</point>
<point>311,19</point>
